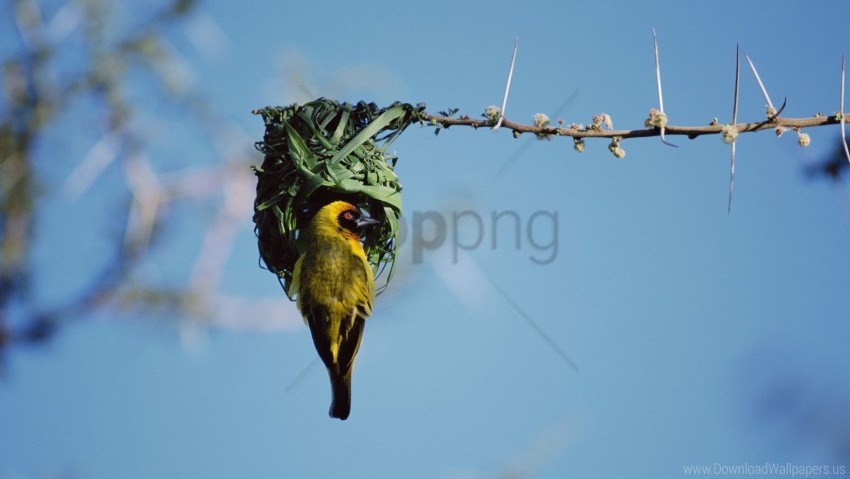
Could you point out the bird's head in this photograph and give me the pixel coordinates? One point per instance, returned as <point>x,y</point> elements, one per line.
<point>345,218</point>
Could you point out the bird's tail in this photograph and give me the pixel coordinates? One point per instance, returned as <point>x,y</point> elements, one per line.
<point>341,388</point>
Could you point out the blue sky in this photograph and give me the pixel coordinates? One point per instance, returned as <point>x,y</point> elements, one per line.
<point>699,338</point>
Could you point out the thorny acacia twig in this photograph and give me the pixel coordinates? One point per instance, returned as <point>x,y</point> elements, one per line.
<point>689,131</point>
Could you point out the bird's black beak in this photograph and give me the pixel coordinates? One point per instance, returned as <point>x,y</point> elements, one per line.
<point>364,222</point>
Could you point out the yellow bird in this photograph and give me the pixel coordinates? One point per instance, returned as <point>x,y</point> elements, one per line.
<point>335,289</point>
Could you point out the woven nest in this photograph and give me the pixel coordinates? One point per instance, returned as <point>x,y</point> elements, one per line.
<point>318,153</point>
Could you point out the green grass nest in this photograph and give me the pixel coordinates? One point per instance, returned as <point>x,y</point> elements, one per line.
<point>320,152</point>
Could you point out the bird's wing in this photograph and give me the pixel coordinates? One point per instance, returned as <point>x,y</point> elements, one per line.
<point>365,283</point>
<point>362,287</point>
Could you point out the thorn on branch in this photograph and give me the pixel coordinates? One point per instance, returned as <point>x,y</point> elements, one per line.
<point>771,111</point>
<point>842,118</point>
<point>661,117</point>
<point>727,134</point>
<point>779,112</point>
<point>507,87</point>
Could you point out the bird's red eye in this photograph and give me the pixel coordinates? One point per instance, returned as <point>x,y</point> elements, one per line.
<point>348,215</point>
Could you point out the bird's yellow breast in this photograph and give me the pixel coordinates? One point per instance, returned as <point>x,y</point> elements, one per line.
<point>333,273</point>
